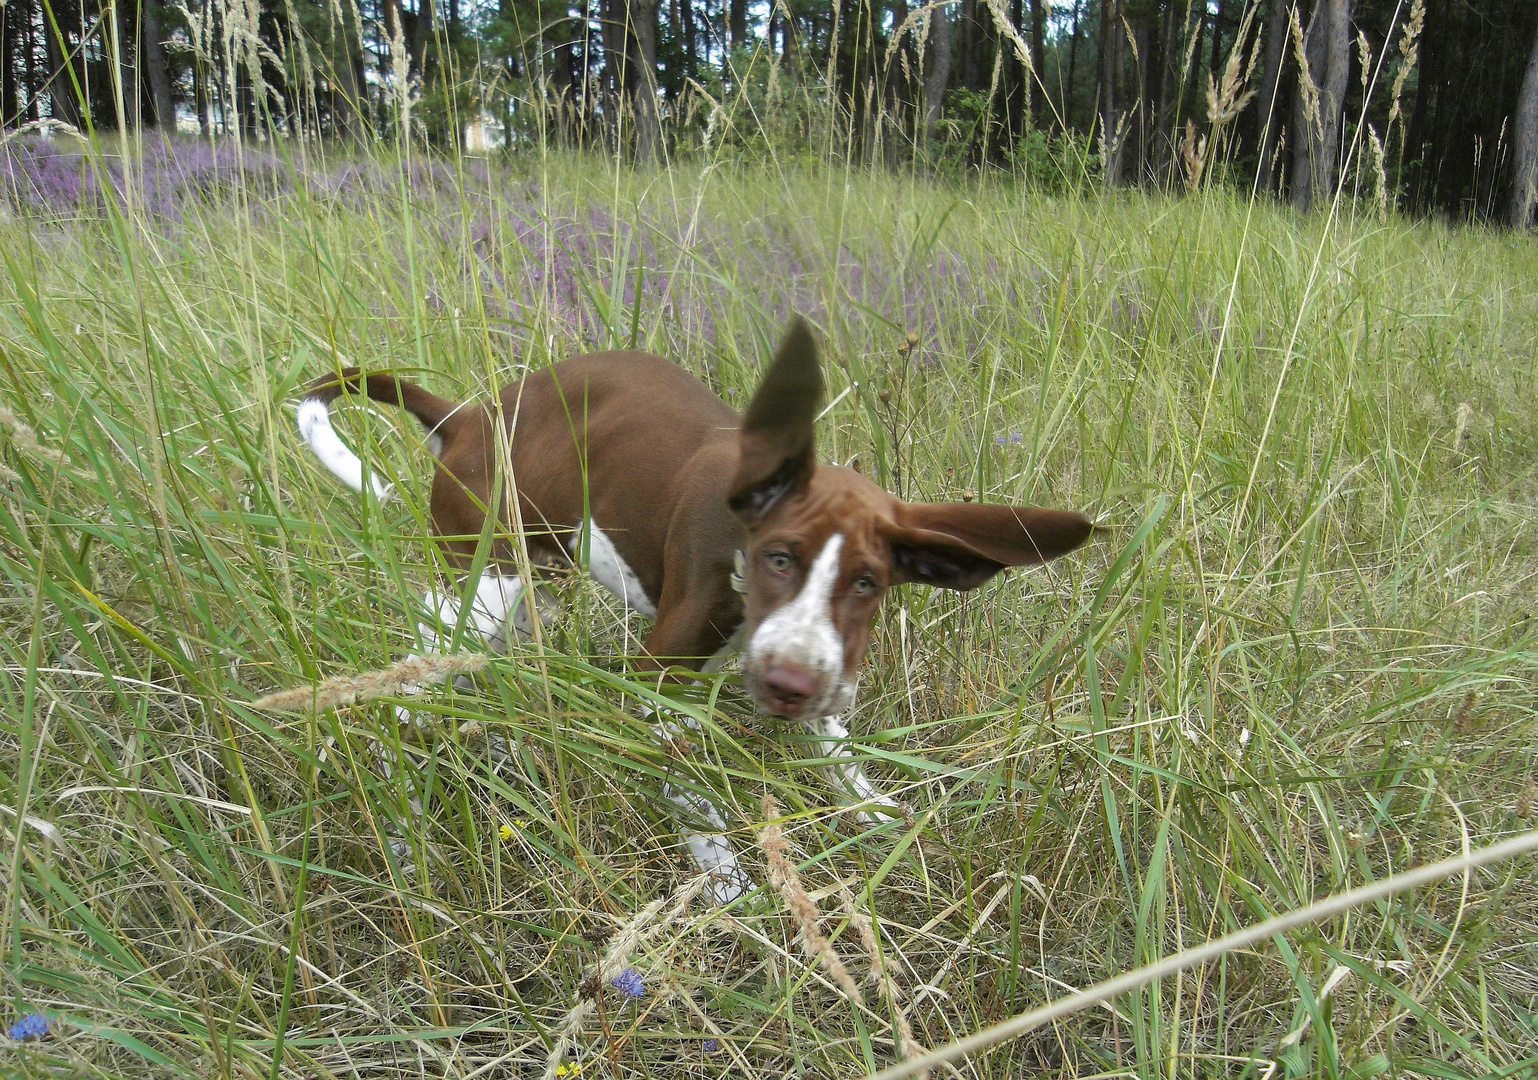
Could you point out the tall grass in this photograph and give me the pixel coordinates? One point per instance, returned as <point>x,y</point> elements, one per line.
<point>1302,659</point>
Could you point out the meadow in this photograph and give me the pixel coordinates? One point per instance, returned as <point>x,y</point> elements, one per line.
<point>1301,657</point>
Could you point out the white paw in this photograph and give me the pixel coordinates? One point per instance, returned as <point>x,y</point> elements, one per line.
<point>406,718</point>
<point>879,811</point>
<point>713,854</point>
<point>725,889</point>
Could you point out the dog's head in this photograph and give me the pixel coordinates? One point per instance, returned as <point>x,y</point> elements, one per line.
<point>825,544</point>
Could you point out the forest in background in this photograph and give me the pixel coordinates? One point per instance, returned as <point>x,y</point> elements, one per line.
<point>1430,106</point>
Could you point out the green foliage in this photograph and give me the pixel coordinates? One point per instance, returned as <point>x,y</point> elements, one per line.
<point>764,110</point>
<point>1059,163</point>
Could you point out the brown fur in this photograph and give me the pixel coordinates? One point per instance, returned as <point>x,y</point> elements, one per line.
<point>679,482</point>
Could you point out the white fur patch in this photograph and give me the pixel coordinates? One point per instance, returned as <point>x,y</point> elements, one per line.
<point>726,653</point>
<point>612,572</point>
<point>802,633</point>
<point>315,425</point>
<point>844,772</point>
<point>712,852</point>
<point>496,598</point>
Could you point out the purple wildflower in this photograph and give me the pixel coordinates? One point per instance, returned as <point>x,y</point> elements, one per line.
<point>628,982</point>
<point>710,1046</point>
<point>31,1026</point>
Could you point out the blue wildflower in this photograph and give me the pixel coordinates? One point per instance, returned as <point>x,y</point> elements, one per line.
<point>31,1026</point>
<point>710,1046</point>
<point>628,982</point>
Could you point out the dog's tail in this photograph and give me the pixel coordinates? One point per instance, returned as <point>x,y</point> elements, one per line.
<point>315,419</point>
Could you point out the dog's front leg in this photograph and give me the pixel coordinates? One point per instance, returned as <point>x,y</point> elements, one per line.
<point>712,851</point>
<point>494,601</point>
<point>831,741</point>
<point>700,823</point>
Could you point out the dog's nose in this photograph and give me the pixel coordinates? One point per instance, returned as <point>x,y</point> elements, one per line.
<point>788,686</point>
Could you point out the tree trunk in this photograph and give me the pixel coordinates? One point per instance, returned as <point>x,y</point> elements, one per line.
<point>898,73</point>
<point>970,73</point>
<point>1145,32</point>
<point>1073,62</point>
<point>937,71</point>
<point>152,50</point>
<point>1270,120</point>
<point>737,23</point>
<point>422,37</point>
<point>64,100</point>
<point>1327,46</point>
<point>1217,42</point>
<point>1524,165</point>
<point>10,63</point>
<point>1015,80</point>
<point>642,18</point>
<point>1038,61</point>
<point>611,99</point>
<point>691,39</point>
<point>29,44</point>
<point>347,82</point>
<point>200,95</point>
<point>1113,128</point>
<point>1170,59</point>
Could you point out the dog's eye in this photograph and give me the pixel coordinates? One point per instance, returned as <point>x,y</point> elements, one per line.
<point>778,561</point>
<point>863,585</point>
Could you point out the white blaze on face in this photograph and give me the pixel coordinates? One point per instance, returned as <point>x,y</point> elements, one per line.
<point>802,633</point>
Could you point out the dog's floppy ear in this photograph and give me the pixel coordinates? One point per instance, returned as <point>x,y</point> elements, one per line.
<point>776,457</point>
<point>962,545</point>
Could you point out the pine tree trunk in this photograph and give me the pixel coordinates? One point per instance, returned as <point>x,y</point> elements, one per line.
<point>1073,62</point>
<point>970,73</point>
<point>29,43</point>
<point>1524,166</point>
<point>1270,84</point>
<point>152,50</point>
<point>1217,41</point>
<point>200,90</point>
<point>10,64</point>
<point>691,43</point>
<point>1038,61</point>
<point>421,37</point>
<point>1327,46</point>
<point>64,102</point>
<point>642,18</point>
<point>1145,32</point>
<point>1170,59</point>
<point>611,80</point>
<point>347,102</point>
<point>1112,126</point>
<point>937,72</point>
<point>1015,77</point>
<point>737,23</point>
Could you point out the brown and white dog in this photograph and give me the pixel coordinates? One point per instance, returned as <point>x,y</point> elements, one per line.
<point>629,458</point>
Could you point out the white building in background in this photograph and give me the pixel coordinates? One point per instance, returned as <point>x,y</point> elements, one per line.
<point>480,136</point>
